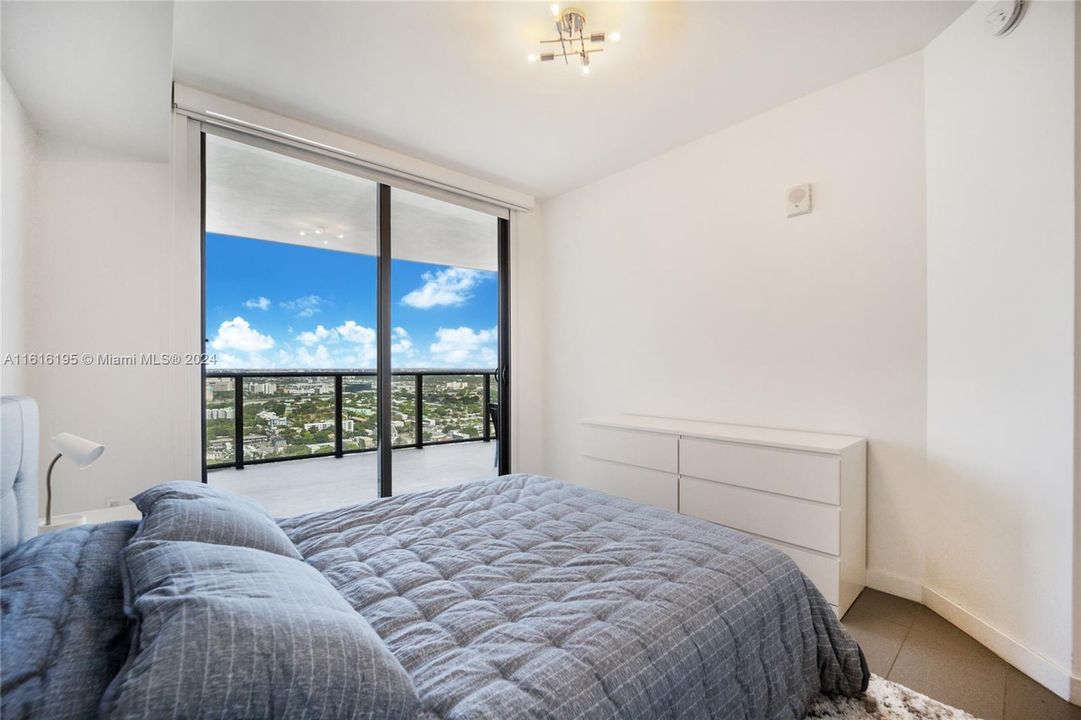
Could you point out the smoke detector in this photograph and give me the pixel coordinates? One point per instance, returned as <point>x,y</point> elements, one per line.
<point>1003,18</point>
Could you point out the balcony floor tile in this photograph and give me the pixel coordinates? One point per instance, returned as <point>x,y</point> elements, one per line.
<point>299,486</point>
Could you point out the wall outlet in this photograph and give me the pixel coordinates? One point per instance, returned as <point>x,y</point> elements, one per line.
<point>115,501</point>
<point>798,200</point>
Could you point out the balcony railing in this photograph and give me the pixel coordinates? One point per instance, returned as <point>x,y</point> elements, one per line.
<point>259,416</point>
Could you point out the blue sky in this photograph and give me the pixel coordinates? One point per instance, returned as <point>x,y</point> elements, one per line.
<point>275,305</point>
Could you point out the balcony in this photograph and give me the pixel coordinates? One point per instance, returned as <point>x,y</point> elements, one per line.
<point>307,485</point>
<point>306,440</point>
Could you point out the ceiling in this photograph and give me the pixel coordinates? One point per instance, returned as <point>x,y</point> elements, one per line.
<point>448,82</point>
<point>95,73</point>
<point>255,193</point>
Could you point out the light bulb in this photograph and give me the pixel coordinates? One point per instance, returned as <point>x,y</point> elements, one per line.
<point>341,237</point>
<point>319,231</point>
<point>302,233</point>
<point>555,9</point>
<point>615,37</point>
<point>585,70</point>
<point>326,242</point>
<point>531,58</point>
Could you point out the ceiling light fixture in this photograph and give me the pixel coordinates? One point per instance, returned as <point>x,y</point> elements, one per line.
<point>323,232</point>
<point>573,39</point>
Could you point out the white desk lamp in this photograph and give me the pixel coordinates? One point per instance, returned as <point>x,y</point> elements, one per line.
<point>83,453</point>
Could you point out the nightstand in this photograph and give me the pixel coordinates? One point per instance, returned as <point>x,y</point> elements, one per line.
<point>127,511</point>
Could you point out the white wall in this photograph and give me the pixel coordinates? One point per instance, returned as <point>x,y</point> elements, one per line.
<point>1075,691</point>
<point>17,187</point>
<point>679,288</point>
<point>1001,129</point>
<point>100,266</point>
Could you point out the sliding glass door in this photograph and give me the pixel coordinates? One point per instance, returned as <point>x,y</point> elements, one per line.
<point>359,331</point>
<point>445,344</point>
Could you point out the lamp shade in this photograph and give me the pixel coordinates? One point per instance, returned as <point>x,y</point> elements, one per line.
<point>79,450</point>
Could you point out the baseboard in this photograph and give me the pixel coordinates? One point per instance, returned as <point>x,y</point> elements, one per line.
<point>1046,672</point>
<point>894,584</point>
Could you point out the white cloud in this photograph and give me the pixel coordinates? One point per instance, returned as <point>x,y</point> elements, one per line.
<point>227,361</point>
<point>304,306</point>
<point>321,358</point>
<point>464,347</point>
<point>311,337</point>
<point>350,331</point>
<point>237,334</point>
<point>363,358</point>
<point>402,344</point>
<point>360,350</point>
<point>364,341</point>
<point>452,286</point>
<point>259,303</point>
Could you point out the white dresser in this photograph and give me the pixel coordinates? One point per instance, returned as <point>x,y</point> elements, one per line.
<point>804,493</point>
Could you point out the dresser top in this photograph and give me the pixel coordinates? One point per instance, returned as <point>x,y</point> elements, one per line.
<point>791,439</point>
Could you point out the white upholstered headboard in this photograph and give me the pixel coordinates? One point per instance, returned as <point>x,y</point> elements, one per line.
<point>18,470</point>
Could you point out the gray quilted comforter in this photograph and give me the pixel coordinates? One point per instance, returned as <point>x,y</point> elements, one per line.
<point>63,634</point>
<point>523,597</point>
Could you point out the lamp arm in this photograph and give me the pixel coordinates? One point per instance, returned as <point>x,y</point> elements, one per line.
<point>49,491</point>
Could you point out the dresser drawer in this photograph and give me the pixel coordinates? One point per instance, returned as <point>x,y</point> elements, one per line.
<point>807,475</point>
<point>823,571</point>
<point>644,485</point>
<point>657,451</point>
<point>789,520</point>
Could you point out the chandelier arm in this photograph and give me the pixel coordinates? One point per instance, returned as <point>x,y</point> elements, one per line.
<point>557,40</point>
<point>576,53</point>
<point>573,40</point>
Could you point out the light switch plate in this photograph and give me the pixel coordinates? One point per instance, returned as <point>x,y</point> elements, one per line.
<point>798,200</point>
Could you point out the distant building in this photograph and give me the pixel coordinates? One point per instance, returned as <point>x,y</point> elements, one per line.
<point>264,388</point>
<point>226,413</point>
<point>272,419</point>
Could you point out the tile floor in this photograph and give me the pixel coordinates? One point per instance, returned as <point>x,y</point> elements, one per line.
<point>909,644</point>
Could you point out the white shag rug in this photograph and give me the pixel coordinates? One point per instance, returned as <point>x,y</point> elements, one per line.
<point>884,700</point>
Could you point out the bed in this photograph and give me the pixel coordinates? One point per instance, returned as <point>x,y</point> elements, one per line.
<point>515,597</point>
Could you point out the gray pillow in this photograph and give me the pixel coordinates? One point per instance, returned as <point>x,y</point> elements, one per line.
<point>200,513</point>
<point>230,632</point>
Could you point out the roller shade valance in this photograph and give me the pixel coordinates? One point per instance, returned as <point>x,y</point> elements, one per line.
<point>230,118</point>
